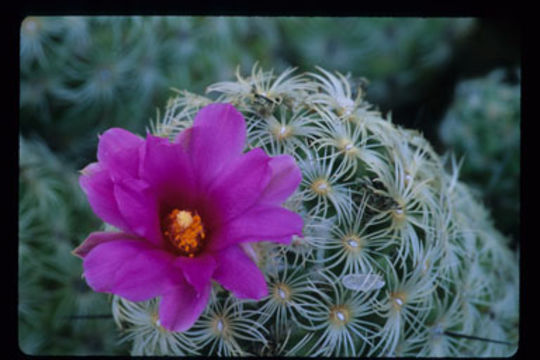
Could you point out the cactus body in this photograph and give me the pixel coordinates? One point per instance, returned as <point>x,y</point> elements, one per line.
<point>396,253</point>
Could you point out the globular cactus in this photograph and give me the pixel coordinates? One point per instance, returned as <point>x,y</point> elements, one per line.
<point>396,257</point>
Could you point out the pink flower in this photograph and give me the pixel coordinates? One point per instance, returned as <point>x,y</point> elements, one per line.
<point>184,210</point>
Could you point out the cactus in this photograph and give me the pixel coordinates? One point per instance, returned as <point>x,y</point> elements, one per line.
<point>81,75</point>
<point>482,126</point>
<point>397,257</point>
<point>52,297</point>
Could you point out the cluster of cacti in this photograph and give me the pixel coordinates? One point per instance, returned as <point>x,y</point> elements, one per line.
<point>56,308</point>
<point>81,75</point>
<point>399,57</point>
<point>483,127</point>
<point>397,257</point>
<point>85,74</point>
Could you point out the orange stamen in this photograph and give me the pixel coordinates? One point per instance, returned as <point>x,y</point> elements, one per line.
<point>185,231</point>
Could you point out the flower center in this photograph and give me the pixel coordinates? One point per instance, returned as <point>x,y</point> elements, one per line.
<point>185,231</point>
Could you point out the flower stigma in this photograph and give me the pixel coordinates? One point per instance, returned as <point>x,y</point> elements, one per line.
<point>185,231</point>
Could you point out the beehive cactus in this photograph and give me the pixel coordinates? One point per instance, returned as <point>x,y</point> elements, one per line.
<point>395,257</point>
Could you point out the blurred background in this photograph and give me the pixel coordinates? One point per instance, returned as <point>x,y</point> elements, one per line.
<point>457,80</point>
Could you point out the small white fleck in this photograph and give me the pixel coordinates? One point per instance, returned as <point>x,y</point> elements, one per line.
<point>349,147</point>
<point>219,325</point>
<point>399,301</point>
<point>282,294</point>
<point>282,130</point>
<point>158,323</point>
<point>352,243</point>
<point>399,211</point>
<point>322,186</point>
<point>340,316</point>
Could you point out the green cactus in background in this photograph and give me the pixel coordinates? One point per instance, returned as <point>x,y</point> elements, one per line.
<point>81,75</point>
<point>398,56</point>
<point>53,298</point>
<point>397,254</point>
<point>88,73</point>
<point>483,126</point>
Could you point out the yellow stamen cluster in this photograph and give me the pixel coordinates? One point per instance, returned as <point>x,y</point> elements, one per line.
<point>185,231</point>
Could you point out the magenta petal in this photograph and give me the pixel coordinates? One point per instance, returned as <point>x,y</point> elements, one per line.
<point>181,306</point>
<point>167,168</point>
<point>130,268</point>
<point>96,238</point>
<point>241,185</point>
<point>183,138</point>
<point>286,176</point>
<point>217,137</point>
<point>99,189</point>
<point>236,272</point>
<point>261,223</point>
<point>198,270</point>
<point>118,151</point>
<point>139,208</point>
